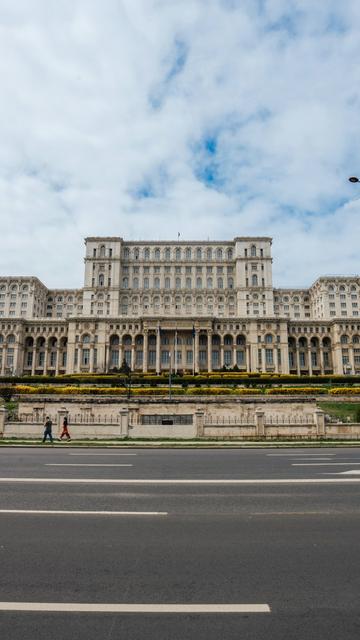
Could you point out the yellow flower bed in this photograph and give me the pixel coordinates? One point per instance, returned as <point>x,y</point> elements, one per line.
<point>345,391</point>
<point>296,391</point>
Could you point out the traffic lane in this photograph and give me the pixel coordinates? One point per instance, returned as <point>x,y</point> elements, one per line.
<point>53,463</point>
<point>318,625</point>
<point>297,565</point>
<point>184,499</point>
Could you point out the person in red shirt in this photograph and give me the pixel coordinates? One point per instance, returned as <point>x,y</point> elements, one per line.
<point>65,430</point>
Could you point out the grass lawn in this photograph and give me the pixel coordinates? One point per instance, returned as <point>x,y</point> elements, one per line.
<point>342,410</point>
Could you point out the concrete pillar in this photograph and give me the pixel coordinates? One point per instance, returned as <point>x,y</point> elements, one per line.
<point>319,417</point>
<point>92,346</point>
<point>145,352</point>
<point>322,368</point>
<point>351,359</point>
<point>234,355</point>
<point>263,363</point>
<point>260,423</point>
<point>124,422</point>
<point>199,423</point>
<point>3,414</point>
<point>4,360</point>
<point>248,358</point>
<point>276,359</point>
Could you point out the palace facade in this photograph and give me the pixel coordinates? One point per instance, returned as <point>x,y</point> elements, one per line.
<point>194,306</point>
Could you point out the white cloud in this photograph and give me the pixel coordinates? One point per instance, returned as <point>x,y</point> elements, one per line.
<point>104,104</point>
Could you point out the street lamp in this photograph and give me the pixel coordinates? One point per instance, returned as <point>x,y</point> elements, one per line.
<point>354,179</point>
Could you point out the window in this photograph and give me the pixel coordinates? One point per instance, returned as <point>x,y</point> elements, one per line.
<point>269,356</point>
<point>209,254</point>
<point>146,283</point>
<point>157,253</point>
<point>253,251</point>
<point>136,283</point>
<point>177,253</point>
<point>254,280</point>
<point>219,254</point>
<point>220,283</point>
<point>157,283</point>
<point>178,283</point>
<point>146,253</point>
<point>167,283</point>
<point>188,253</point>
<point>101,280</point>
<point>188,283</point>
<point>209,283</point>
<point>167,253</point>
<point>198,253</point>
<point>198,283</point>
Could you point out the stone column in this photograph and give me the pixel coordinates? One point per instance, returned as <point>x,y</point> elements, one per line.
<point>351,359</point>
<point>248,358</point>
<point>57,366</point>
<point>322,368</point>
<point>46,361</point>
<point>158,364</point>
<point>297,360</point>
<point>263,363</point>
<point>199,423</point>
<point>209,364</point>
<point>276,359</point>
<point>221,352</point>
<point>132,356</point>
<point>33,365</point>
<point>196,349</point>
<point>309,361</point>
<point>234,355</point>
<point>337,361</point>
<point>16,359</point>
<point>3,413</point>
<point>92,346</point>
<point>260,423</point>
<point>145,352</point>
<point>124,422</point>
<point>319,418</point>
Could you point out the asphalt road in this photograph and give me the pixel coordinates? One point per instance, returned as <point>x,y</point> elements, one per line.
<point>292,545</point>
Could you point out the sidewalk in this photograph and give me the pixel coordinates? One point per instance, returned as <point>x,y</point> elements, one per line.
<point>181,444</point>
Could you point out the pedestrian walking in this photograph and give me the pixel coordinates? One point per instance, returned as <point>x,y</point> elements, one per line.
<point>48,430</point>
<point>65,430</point>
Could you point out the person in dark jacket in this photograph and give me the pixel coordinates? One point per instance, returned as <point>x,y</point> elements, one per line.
<point>48,430</point>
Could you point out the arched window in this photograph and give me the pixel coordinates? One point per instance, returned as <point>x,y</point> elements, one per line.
<point>167,283</point>
<point>229,254</point>
<point>136,283</point>
<point>11,339</point>
<point>177,253</point>
<point>356,339</point>
<point>342,288</point>
<point>157,253</point>
<point>86,338</point>
<point>126,253</point>
<point>198,283</point>
<point>157,283</point>
<point>188,253</point>
<point>188,283</point>
<point>102,251</point>
<point>209,253</point>
<point>209,283</point>
<point>344,339</point>
<point>240,340</point>
<point>268,338</point>
<point>125,283</point>
<point>219,254</point>
<point>146,253</point>
<point>101,280</point>
<point>167,253</point>
<point>254,280</point>
<point>146,283</point>
<point>331,287</point>
<point>253,251</point>
<point>198,253</point>
<point>228,341</point>
<point>352,288</point>
<point>178,283</point>
<point>220,283</point>
<point>230,283</point>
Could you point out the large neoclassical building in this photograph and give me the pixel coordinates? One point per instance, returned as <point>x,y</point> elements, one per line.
<point>194,306</point>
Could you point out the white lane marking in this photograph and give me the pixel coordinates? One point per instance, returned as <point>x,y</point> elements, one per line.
<point>351,472</point>
<point>102,454</point>
<point>304,459</point>
<point>83,513</point>
<point>323,464</point>
<point>70,464</point>
<point>134,608</point>
<point>151,481</point>
<point>299,454</point>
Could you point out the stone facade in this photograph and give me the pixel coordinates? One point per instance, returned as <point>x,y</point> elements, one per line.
<point>194,306</point>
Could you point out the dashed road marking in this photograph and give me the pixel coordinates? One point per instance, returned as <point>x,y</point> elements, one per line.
<point>81,607</point>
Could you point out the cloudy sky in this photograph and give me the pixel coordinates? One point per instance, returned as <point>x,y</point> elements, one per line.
<point>212,118</point>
